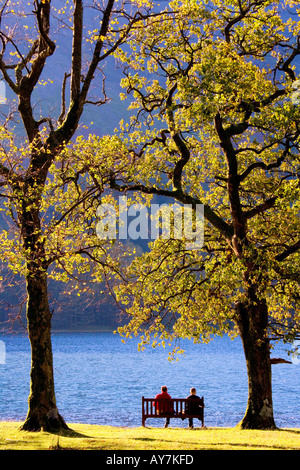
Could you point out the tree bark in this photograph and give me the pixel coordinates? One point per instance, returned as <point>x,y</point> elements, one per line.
<point>42,410</point>
<point>252,313</point>
<point>252,319</point>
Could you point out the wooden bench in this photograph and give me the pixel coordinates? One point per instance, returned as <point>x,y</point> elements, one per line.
<point>159,408</point>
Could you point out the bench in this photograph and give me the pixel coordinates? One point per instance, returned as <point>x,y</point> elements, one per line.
<point>181,408</point>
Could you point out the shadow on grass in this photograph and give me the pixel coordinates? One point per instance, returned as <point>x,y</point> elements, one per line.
<point>217,445</point>
<point>70,433</point>
<point>104,441</point>
<point>294,431</point>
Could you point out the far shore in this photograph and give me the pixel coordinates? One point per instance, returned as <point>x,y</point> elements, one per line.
<point>86,330</point>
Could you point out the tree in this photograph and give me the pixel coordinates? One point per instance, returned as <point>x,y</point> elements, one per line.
<point>47,196</point>
<point>215,122</point>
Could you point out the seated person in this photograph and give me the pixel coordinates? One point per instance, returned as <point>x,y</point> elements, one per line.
<point>193,408</point>
<point>164,404</point>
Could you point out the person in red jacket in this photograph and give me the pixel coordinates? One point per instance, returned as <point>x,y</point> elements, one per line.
<point>164,404</point>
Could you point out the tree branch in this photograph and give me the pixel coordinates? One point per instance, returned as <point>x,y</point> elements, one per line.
<point>76,50</point>
<point>98,48</point>
<point>285,65</point>
<point>265,166</point>
<point>63,99</point>
<point>43,18</point>
<point>260,208</point>
<point>209,214</point>
<point>289,251</point>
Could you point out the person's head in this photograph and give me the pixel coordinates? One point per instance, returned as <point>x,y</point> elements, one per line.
<point>164,388</point>
<point>193,391</point>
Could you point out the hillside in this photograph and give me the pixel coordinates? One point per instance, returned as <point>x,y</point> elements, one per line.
<point>70,312</point>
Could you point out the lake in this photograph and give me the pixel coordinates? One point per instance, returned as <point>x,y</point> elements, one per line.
<point>94,371</point>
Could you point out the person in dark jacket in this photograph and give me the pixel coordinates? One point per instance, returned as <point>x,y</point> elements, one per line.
<point>193,408</point>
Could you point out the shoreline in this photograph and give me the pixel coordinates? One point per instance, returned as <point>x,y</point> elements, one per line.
<point>170,427</point>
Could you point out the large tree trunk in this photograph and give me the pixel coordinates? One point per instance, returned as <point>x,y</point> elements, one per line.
<point>42,411</point>
<point>252,319</point>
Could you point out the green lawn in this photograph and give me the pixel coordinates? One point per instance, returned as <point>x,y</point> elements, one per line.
<point>93,437</point>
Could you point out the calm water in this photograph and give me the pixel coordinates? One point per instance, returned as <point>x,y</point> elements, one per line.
<point>100,380</point>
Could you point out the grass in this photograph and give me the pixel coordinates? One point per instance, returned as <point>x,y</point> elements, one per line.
<point>94,437</point>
